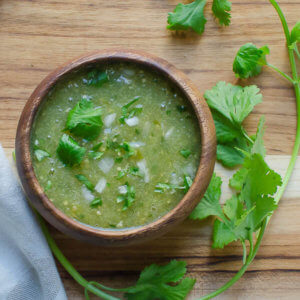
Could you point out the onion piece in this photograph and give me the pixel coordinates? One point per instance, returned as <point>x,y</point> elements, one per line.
<point>122,189</point>
<point>169,132</point>
<point>100,186</point>
<point>106,164</point>
<point>142,164</point>
<point>87,194</point>
<point>109,119</point>
<point>136,144</point>
<point>132,121</point>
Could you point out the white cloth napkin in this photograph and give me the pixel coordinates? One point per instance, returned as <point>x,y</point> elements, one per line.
<point>27,268</point>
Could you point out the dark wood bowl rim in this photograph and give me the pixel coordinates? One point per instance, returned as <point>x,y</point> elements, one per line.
<point>186,204</point>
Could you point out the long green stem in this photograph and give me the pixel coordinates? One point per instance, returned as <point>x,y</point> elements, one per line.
<point>291,165</point>
<point>281,73</point>
<point>68,266</point>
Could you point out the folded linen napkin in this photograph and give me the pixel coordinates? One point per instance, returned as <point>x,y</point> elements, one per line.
<point>27,268</point>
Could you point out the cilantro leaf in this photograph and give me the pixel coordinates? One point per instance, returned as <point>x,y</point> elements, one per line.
<point>258,145</point>
<point>83,179</point>
<point>230,105</point>
<point>96,202</point>
<point>185,153</point>
<point>187,181</point>
<point>69,152</point>
<point>163,187</point>
<point>249,60</point>
<point>209,204</point>
<point>129,151</point>
<point>221,10</point>
<point>295,33</point>
<point>222,235</point>
<point>154,283</point>
<point>84,120</point>
<point>188,16</point>
<point>238,179</point>
<point>128,197</point>
<point>128,113</point>
<point>97,78</point>
<point>95,154</point>
<point>232,101</point>
<point>40,154</point>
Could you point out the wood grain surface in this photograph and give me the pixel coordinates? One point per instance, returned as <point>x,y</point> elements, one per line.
<point>37,36</point>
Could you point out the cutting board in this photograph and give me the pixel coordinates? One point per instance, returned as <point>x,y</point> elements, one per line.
<point>37,36</point>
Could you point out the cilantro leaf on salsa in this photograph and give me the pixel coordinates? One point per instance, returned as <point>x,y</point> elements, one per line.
<point>185,153</point>
<point>188,16</point>
<point>97,78</point>
<point>84,120</point>
<point>162,282</point>
<point>249,60</point>
<point>96,202</point>
<point>128,112</point>
<point>128,197</point>
<point>69,152</point>
<point>221,10</point>
<point>83,179</point>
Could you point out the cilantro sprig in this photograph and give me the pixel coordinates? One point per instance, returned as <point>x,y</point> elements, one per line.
<point>191,15</point>
<point>69,151</point>
<point>128,197</point>
<point>230,105</point>
<point>84,120</point>
<point>128,111</point>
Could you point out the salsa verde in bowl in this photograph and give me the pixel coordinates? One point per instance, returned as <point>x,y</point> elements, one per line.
<point>115,147</point>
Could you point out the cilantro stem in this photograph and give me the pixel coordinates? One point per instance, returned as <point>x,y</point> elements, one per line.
<point>245,134</point>
<point>297,51</point>
<point>244,252</point>
<point>291,165</point>
<point>68,266</point>
<point>281,73</point>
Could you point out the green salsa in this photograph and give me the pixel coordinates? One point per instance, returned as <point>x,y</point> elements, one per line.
<point>115,146</point>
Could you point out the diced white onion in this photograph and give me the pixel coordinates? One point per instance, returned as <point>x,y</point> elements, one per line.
<point>106,164</point>
<point>122,189</point>
<point>146,128</point>
<point>189,170</point>
<point>87,194</point>
<point>100,186</point>
<point>142,164</point>
<point>139,106</point>
<point>132,121</point>
<point>169,132</point>
<point>107,131</point>
<point>109,119</point>
<point>136,144</point>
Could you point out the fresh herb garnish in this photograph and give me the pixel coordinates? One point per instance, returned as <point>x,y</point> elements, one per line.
<point>95,154</point>
<point>48,185</point>
<point>128,112</point>
<point>230,105</point>
<point>127,198</point>
<point>97,78</point>
<point>97,146</point>
<point>83,179</point>
<point>221,10</point>
<point>162,282</point>
<point>41,154</point>
<point>129,151</point>
<point>69,152</point>
<point>121,174</point>
<point>96,202</point>
<point>164,187</point>
<point>119,159</point>
<point>249,60</point>
<point>188,16</point>
<point>84,120</point>
<point>185,153</point>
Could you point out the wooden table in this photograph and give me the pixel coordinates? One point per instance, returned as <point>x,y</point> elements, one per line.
<point>37,36</point>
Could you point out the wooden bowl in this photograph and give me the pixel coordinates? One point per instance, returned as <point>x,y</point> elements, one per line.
<point>69,226</point>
